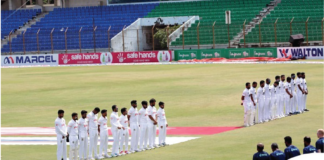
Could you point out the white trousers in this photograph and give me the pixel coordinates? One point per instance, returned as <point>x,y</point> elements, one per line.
<point>103,142</point>
<point>124,136</point>
<point>151,134</point>
<point>83,147</point>
<point>143,136</point>
<point>305,99</point>
<point>282,102</point>
<point>116,135</point>
<point>261,110</point>
<point>134,140</point>
<point>288,104</point>
<point>253,117</point>
<point>247,114</point>
<point>300,101</point>
<point>162,133</point>
<point>74,143</point>
<point>93,143</point>
<point>266,111</point>
<point>273,107</point>
<point>61,148</point>
<point>293,102</point>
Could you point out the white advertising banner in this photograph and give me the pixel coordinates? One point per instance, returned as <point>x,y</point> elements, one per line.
<point>315,52</point>
<point>30,60</point>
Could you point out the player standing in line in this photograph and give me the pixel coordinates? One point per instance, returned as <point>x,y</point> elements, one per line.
<point>302,85</point>
<point>252,93</point>
<point>278,97</point>
<point>83,135</point>
<point>73,136</point>
<point>61,133</point>
<point>294,99</point>
<point>260,99</point>
<point>115,130</point>
<point>300,93</point>
<point>267,100</point>
<point>273,107</point>
<point>282,96</point>
<point>305,90</point>
<point>143,120</point>
<point>288,96</point>
<point>93,132</point>
<point>124,136</point>
<point>276,153</point>
<point>103,132</point>
<point>308,147</point>
<point>163,124</point>
<point>133,120</point>
<point>151,110</point>
<point>246,102</point>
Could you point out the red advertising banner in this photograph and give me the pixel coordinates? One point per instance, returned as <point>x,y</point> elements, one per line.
<point>115,57</point>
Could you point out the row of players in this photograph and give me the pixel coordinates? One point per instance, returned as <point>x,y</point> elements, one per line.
<point>142,125</point>
<point>276,101</point>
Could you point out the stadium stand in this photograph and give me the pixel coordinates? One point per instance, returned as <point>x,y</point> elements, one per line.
<point>209,12</point>
<point>300,10</point>
<point>72,19</point>
<point>13,19</point>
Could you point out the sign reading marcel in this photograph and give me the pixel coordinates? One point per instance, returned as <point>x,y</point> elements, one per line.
<point>315,52</point>
<point>29,60</point>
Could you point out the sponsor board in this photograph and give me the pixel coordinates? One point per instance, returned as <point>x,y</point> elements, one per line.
<point>85,58</point>
<point>264,52</point>
<point>141,57</point>
<point>30,60</point>
<point>315,52</point>
<point>239,53</point>
<point>186,54</point>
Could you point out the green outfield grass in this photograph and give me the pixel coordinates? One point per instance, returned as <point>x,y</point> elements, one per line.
<point>194,95</point>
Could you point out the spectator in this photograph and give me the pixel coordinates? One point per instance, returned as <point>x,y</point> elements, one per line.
<point>320,141</point>
<point>308,148</point>
<point>291,150</point>
<point>261,155</point>
<point>276,153</point>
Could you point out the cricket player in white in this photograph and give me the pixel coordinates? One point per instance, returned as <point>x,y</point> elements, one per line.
<point>103,132</point>
<point>61,133</point>
<point>83,135</point>
<point>253,103</point>
<point>288,96</point>
<point>163,124</point>
<point>267,100</point>
<point>273,92</point>
<point>260,99</point>
<point>305,90</point>
<point>151,110</point>
<point>300,93</point>
<point>93,132</point>
<point>246,102</point>
<point>134,126</point>
<point>124,136</point>
<point>115,130</point>
<point>294,101</point>
<point>282,96</point>
<point>143,120</point>
<point>73,136</point>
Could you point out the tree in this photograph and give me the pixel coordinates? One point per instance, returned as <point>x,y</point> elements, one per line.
<point>161,35</point>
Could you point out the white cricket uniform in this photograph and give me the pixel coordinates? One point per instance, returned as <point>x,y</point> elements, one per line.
<point>103,136</point>
<point>293,102</point>
<point>83,138</point>
<point>134,126</point>
<point>114,121</point>
<point>267,102</point>
<point>305,97</point>
<point>162,125</point>
<point>260,99</point>
<point>282,100</point>
<point>273,107</point>
<point>73,137</point>
<point>143,120</point>
<point>302,84</point>
<point>60,129</point>
<point>151,110</point>
<point>93,133</point>
<point>124,136</point>
<point>247,106</point>
<point>287,98</point>
<point>299,94</point>
<point>252,93</point>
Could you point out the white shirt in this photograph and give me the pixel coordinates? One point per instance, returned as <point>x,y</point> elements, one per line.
<point>298,82</point>
<point>260,95</point>
<point>73,128</point>
<point>273,90</point>
<point>246,95</point>
<point>266,90</point>
<point>151,111</point>
<point>103,123</point>
<point>123,120</point>
<point>293,85</point>
<point>114,120</point>
<point>133,113</point>
<point>302,83</point>
<point>83,127</point>
<point>305,84</point>
<point>253,93</point>
<point>282,87</point>
<point>93,121</point>
<point>60,127</point>
<point>161,116</point>
<point>287,86</point>
<point>143,116</point>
